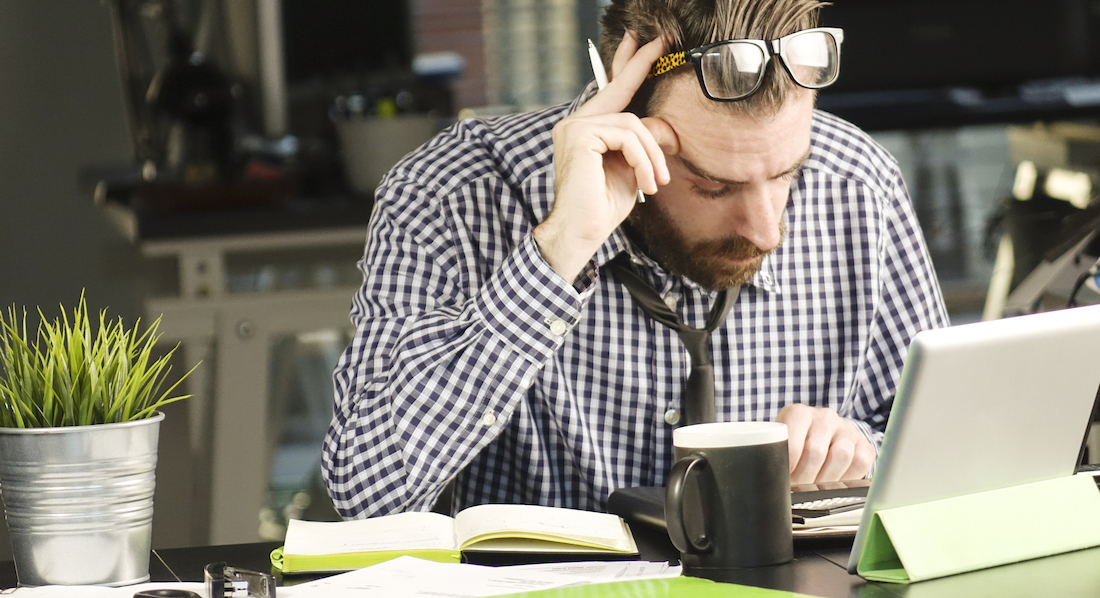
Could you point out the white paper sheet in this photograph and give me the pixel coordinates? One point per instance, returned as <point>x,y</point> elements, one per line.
<point>100,591</point>
<point>408,577</point>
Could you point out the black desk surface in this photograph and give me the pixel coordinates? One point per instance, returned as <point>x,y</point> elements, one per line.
<point>818,570</point>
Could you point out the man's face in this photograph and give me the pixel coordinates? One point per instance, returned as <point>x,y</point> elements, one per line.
<point>723,210</point>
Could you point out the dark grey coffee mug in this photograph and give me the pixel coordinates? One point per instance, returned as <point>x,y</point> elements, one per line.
<point>728,497</point>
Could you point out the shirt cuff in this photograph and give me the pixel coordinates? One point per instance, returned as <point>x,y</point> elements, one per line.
<point>529,305</point>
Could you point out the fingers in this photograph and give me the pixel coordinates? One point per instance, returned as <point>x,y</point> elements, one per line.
<point>850,458</point>
<point>823,446</point>
<point>862,462</point>
<point>838,458</point>
<point>630,67</point>
<point>798,421</point>
<point>628,47</point>
<point>637,149</point>
<point>620,132</point>
<point>601,158</point>
<point>815,450</point>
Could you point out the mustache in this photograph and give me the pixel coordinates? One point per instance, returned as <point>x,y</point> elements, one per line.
<point>738,248</point>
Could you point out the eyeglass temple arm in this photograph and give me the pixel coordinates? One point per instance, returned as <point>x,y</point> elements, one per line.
<point>668,62</point>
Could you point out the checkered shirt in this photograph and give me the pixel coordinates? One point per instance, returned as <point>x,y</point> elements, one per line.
<point>473,360</point>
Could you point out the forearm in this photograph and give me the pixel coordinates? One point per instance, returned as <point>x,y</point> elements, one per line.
<point>419,398</point>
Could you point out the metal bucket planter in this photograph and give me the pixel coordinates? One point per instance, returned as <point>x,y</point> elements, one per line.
<point>79,501</point>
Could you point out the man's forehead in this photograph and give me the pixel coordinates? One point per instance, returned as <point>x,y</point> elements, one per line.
<point>716,143</point>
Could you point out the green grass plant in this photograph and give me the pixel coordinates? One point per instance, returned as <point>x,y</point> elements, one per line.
<point>74,376</point>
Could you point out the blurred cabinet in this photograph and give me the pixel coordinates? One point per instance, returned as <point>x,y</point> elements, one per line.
<point>238,296</point>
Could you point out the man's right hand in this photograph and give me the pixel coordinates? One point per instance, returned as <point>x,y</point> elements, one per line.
<point>602,156</point>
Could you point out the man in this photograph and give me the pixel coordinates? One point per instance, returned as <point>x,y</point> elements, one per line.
<point>497,344</point>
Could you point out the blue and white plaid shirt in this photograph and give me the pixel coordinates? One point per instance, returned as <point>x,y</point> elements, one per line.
<point>473,360</point>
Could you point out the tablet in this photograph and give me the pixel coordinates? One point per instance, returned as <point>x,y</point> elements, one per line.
<point>986,406</point>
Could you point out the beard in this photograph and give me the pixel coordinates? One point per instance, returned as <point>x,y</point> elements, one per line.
<point>706,262</point>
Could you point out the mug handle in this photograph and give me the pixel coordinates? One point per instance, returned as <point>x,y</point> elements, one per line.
<point>674,505</point>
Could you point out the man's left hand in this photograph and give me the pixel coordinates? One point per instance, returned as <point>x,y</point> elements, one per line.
<point>824,447</point>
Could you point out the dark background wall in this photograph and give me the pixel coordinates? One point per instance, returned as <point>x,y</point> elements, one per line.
<point>60,110</point>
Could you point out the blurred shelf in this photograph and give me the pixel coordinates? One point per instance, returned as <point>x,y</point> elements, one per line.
<point>162,211</point>
<point>1070,99</point>
<point>289,215</point>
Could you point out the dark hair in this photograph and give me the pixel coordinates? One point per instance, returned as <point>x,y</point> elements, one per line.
<point>685,24</point>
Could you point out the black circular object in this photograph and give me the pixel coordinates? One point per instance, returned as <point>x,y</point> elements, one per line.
<point>166,594</point>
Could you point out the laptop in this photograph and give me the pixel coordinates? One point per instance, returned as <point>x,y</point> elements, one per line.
<point>986,406</point>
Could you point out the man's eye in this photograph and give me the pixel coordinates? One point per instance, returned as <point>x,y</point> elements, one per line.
<point>709,190</point>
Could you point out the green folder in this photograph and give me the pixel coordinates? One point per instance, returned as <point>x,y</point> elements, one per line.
<point>673,587</point>
<point>353,560</point>
<point>967,533</point>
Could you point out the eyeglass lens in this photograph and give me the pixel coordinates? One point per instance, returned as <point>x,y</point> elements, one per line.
<point>734,69</point>
<point>812,58</point>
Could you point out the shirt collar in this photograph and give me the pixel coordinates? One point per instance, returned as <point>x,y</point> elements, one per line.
<point>765,277</point>
<point>613,246</point>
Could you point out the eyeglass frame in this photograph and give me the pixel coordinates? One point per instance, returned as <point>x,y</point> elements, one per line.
<point>771,48</point>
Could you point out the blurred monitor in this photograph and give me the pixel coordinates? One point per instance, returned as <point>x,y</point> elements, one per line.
<point>988,44</point>
<point>341,48</point>
<point>340,38</point>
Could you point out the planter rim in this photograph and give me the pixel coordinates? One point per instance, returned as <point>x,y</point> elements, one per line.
<point>158,416</point>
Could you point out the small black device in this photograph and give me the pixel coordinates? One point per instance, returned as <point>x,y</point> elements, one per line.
<point>223,581</point>
<point>646,504</point>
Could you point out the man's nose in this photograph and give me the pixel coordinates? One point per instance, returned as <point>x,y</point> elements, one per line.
<point>757,213</point>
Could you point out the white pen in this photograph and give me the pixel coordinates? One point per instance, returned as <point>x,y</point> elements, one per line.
<point>597,66</point>
<point>601,82</point>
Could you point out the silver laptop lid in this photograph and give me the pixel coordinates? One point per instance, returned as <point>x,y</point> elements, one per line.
<point>986,406</point>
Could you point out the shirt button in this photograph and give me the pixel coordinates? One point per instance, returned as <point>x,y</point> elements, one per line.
<point>672,416</point>
<point>636,260</point>
<point>558,327</point>
<point>766,278</point>
<point>670,300</point>
<point>488,419</point>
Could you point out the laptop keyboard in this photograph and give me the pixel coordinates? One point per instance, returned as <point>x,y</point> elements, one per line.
<point>827,506</point>
<point>818,500</point>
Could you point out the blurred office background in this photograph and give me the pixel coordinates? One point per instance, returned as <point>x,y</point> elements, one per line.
<point>240,216</point>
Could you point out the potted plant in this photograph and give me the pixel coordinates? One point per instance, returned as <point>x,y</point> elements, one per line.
<point>79,424</point>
